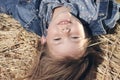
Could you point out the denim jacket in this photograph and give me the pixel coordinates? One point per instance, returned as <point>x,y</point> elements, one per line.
<point>35,15</point>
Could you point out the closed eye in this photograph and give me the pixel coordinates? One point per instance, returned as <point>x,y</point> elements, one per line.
<point>75,37</point>
<point>57,39</point>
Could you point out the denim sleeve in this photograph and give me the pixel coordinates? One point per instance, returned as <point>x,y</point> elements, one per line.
<point>108,14</point>
<point>2,6</point>
<point>113,14</point>
<point>7,6</point>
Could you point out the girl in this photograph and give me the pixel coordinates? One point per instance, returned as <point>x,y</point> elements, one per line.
<point>64,27</point>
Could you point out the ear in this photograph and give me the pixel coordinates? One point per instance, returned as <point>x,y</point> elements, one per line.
<point>43,40</point>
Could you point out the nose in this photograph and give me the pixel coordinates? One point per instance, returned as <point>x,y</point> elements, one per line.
<point>65,30</point>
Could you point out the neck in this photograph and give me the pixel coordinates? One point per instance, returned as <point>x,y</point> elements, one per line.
<point>60,10</point>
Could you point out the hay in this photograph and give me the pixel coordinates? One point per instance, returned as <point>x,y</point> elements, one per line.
<point>19,50</point>
<point>109,69</point>
<point>107,57</point>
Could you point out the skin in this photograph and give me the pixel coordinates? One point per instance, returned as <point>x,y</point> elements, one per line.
<point>65,35</point>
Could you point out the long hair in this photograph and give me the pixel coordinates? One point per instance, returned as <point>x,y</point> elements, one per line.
<point>49,68</point>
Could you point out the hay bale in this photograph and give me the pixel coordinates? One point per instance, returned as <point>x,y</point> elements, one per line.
<point>18,49</point>
<point>110,67</point>
<point>107,62</point>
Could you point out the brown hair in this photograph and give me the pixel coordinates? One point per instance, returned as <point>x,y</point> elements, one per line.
<point>49,68</point>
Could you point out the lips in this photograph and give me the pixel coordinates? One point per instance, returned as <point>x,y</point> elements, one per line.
<point>64,22</point>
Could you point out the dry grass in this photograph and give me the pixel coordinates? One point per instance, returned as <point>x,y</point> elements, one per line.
<point>109,69</point>
<point>18,51</point>
<point>107,60</point>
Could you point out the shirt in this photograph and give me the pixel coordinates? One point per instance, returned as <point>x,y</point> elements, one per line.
<point>35,15</point>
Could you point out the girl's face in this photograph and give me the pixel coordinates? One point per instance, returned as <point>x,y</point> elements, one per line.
<point>66,36</point>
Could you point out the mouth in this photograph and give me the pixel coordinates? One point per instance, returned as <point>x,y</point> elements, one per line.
<point>64,22</point>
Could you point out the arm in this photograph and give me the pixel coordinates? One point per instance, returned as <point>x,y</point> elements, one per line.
<point>7,6</point>
<point>2,6</point>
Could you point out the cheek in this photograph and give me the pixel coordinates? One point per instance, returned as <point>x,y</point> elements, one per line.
<point>82,53</point>
<point>51,32</point>
<point>82,48</point>
<point>83,44</point>
<point>78,28</point>
<point>79,54</point>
